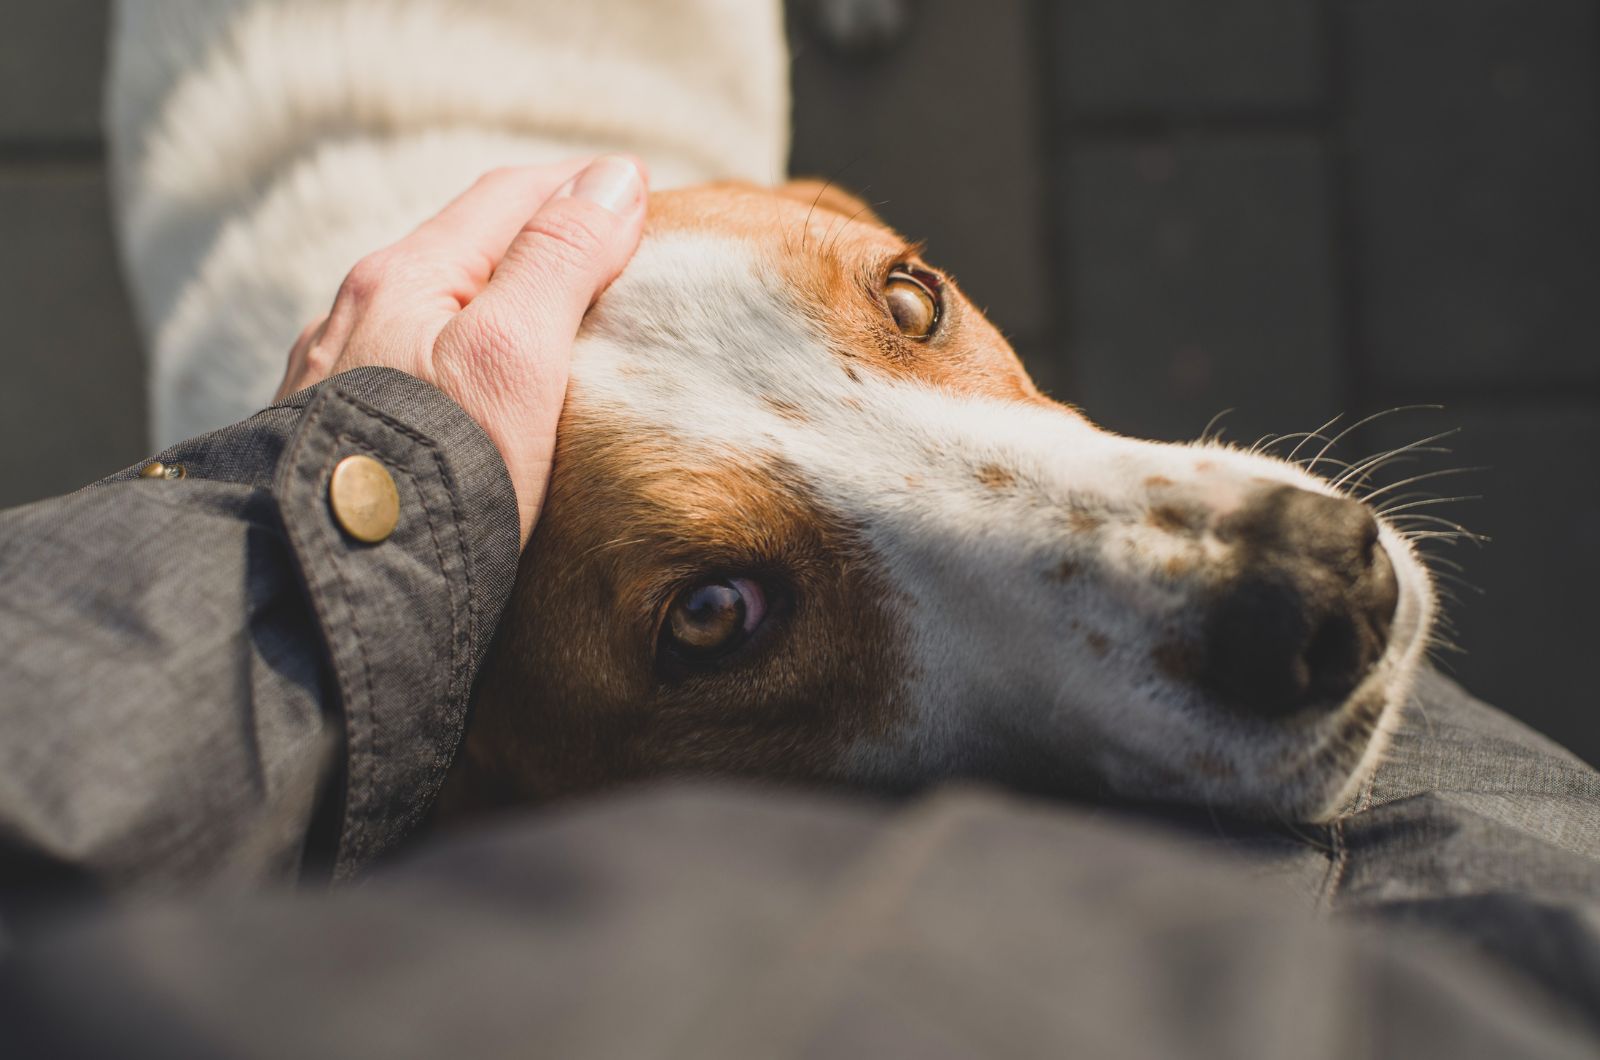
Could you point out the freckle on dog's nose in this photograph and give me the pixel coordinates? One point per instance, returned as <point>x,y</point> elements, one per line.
<point>1308,609</point>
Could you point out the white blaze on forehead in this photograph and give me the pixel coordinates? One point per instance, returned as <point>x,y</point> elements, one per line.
<point>692,325</point>
<point>700,342</point>
<point>698,338</point>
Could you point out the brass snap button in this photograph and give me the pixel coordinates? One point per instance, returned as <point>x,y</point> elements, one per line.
<point>156,469</point>
<point>364,499</point>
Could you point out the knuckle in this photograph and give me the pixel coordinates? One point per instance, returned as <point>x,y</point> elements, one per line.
<point>378,270</point>
<point>568,237</point>
<point>321,359</point>
<point>366,277</point>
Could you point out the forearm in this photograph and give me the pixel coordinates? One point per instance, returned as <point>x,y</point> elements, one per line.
<point>185,662</point>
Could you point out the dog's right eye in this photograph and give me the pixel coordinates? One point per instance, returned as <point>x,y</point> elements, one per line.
<point>713,618</point>
<point>913,301</point>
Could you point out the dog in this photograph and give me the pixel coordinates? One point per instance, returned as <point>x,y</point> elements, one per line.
<point>809,518</point>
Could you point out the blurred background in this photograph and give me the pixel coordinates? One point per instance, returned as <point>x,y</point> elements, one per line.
<point>1288,208</point>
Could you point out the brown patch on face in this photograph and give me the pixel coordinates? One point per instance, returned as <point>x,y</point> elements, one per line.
<point>1173,519</point>
<point>995,477</point>
<point>832,259</point>
<point>1066,570</point>
<point>785,408</point>
<point>1176,567</point>
<point>1157,482</point>
<point>1098,643</point>
<point>573,697</point>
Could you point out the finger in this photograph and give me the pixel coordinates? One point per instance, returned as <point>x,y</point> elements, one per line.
<point>294,375</point>
<point>507,351</point>
<point>473,231</point>
<point>566,254</point>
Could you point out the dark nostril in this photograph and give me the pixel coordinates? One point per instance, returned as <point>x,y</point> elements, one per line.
<point>1367,537</point>
<point>1332,654</point>
<point>1308,610</point>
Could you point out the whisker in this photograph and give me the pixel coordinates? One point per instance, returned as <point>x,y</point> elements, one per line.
<point>1421,478</point>
<point>1450,568</point>
<point>1279,439</point>
<point>1445,625</point>
<point>1212,422</point>
<point>1378,460</point>
<point>845,227</point>
<point>1425,502</point>
<point>1443,644</point>
<point>1433,557</point>
<point>805,229</point>
<point>1362,423</point>
<point>1403,498</point>
<point>1261,443</point>
<point>1358,480</point>
<point>1335,461</point>
<point>1430,731</point>
<point>830,182</point>
<point>1450,536</point>
<point>1457,581</point>
<point>1439,520</point>
<point>1364,481</point>
<point>1315,434</point>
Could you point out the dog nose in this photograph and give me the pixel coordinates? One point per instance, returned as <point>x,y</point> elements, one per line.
<point>1307,609</point>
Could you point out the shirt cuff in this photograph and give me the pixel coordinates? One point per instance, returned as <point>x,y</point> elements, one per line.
<point>407,619</point>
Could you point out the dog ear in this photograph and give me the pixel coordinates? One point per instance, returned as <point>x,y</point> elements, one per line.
<point>826,195</point>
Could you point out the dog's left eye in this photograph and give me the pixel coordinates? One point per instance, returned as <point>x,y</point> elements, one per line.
<point>713,618</point>
<point>913,300</point>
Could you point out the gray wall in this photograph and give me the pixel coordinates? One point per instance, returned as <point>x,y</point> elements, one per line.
<point>72,399</point>
<point>1291,208</point>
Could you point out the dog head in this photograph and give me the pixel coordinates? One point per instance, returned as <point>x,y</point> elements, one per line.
<point>810,519</point>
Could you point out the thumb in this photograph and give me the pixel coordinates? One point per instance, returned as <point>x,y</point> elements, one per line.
<point>571,249</point>
<point>504,357</point>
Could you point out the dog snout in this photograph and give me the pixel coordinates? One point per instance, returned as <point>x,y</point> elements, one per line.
<point>1305,609</point>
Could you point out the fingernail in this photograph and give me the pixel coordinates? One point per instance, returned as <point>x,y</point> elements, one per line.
<point>613,182</point>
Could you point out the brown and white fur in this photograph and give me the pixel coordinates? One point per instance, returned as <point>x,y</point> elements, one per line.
<point>963,577</point>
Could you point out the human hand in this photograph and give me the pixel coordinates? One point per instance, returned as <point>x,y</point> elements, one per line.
<point>484,301</point>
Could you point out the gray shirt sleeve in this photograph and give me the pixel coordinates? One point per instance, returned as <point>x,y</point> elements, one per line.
<point>189,667</point>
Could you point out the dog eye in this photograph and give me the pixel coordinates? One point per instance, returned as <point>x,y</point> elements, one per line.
<point>713,618</point>
<point>913,301</point>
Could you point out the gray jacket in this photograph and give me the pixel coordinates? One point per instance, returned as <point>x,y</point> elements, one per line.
<point>205,683</point>
<point>190,667</point>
